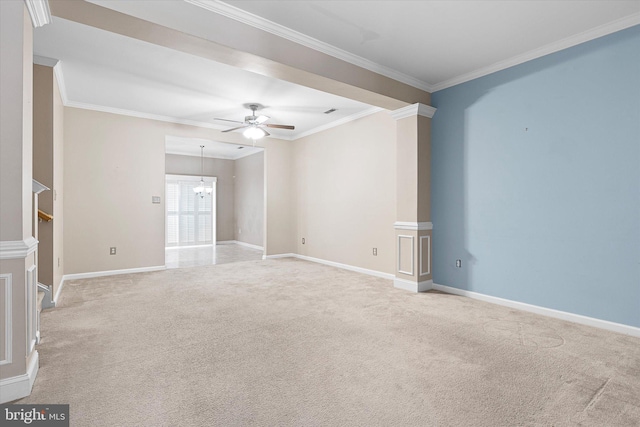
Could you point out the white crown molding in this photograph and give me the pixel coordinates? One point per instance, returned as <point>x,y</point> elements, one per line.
<point>217,156</point>
<point>90,275</point>
<point>16,249</point>
<point>304,40</point>
<point>594,33</point>
<point>39,12</point>
<point>131,113</point>
<point>549,312</point>
<point>140,115</point>
<point>14,388</point>
<point>339,122</point>
<point>62,88</point>
<point>420,226</point>
<point>410,286</point>
<point>43,60</point>
<point>413,110</point>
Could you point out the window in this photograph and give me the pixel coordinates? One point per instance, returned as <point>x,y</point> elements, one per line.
<point>190,218</point>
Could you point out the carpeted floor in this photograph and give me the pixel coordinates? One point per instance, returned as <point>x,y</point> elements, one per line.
<point>286,342</point>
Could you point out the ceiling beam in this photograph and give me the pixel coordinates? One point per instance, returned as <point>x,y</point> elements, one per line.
<point>295,63</point>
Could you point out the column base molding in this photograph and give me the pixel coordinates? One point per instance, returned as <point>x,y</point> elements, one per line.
<point>20,386</point>
<point>412,286</point>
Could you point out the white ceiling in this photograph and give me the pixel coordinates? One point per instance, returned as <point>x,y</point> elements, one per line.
<point>216,149</point>
<point>428,44</point>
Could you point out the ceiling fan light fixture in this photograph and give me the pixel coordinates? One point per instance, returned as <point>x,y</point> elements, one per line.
<point>254,133</point>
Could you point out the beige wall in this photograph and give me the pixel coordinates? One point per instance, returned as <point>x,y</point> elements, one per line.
<point>344,186</point>
<point>249,199</point>
<point>223,170</point>
<point>16,215</point>
<point>48,166</point>
<point>58,187</point>
<point>114,164</point>
<point>279,225</point>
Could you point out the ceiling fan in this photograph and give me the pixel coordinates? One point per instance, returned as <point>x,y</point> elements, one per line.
<point>254,125</point>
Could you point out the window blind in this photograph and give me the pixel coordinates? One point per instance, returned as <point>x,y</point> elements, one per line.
<point>189,217</point>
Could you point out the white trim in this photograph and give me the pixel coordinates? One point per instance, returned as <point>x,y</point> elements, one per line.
<point>16,249</point>
<point>346,267</point>
<point>39,12</point>
<point>419,226</point>
<point>90,275</point>
<point>594,33</point>
<point>56,298</point>
<point>169,119</point>
<point>413,110</point>
<point>339,122</point>
<point>32,308</point>
<point>410,286</point>
<point>425,273</point>
<point>304,40</point>
<point>62,87</point>
<point>249,245</point>
<point>20,386</point>
<point>238,242</point>
<point>8,320</point>
<point>131,113</point>
<point>44,61</point>
<point>209,245</point>
<point>404,236</point>
<point>366,271</point>
<point>277,256</point>
<point>563,315</point>
<point>194,178</point>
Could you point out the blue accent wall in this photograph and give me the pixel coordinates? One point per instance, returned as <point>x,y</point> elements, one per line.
<point>536,181</point>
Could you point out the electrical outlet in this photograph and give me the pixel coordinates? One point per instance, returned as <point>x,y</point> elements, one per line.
<point>112,250</point>
<point>303,240</point>
<point>375,251</point>
<point>459,263</point>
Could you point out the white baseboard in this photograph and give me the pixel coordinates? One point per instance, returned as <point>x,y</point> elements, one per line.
<point>333,264</point>
<point>346,267</point>
<point>408,285</point>
<point>276,256</point>
<point>249,245</point>
<point>56,297</point>
<point>563,315</point>
<point>238,242</point>
<point>90,275</point>
<point>20,386</point>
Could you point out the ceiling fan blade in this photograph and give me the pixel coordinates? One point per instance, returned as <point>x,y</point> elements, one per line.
<point>266,133</point>
<point>232,129</point>
<point>261,119</point>
<point>280,126</point>
<point>227,120</point>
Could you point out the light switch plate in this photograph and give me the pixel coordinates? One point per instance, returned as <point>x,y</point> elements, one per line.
<point>155,199</point>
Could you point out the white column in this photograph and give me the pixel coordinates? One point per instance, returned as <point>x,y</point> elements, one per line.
<point>18,358</point>
<point>413,206</point>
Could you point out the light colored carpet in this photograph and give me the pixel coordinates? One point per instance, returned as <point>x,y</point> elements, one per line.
<point>292,343</point>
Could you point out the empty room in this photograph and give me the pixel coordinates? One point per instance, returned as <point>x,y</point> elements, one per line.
<point>313,213</point>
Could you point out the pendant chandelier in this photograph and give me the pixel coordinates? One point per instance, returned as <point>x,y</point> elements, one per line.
<point>201,189</point>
